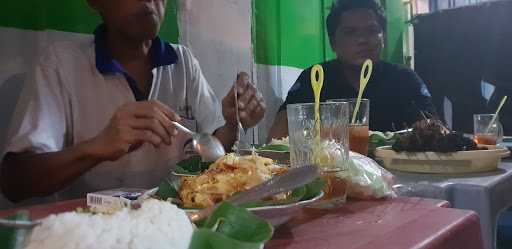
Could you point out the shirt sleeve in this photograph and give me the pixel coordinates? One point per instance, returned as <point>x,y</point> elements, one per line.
<point>206,107</point>
<point>418,97</point>
<point>39,124</point>
<point>300,92</point>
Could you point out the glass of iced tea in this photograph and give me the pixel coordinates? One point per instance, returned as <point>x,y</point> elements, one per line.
<point>485,132</point>
<point>359,131</point>
<point>328,150</point>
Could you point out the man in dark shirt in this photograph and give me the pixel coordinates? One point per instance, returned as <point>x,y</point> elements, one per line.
<point>356,32</point>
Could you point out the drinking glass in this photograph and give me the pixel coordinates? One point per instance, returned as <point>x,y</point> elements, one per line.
<point>485,132</point>
<point>359,131</point>
<point>330,152</point>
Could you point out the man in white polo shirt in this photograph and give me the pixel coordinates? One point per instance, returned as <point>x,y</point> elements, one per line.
<point>97,114</point>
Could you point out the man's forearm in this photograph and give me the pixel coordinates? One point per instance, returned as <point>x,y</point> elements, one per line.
<point>226,135</point>
<point>279,128</point>
<point>29,175</point>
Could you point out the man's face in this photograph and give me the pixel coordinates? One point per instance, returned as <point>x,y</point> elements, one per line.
<point>136,19</point>
<point>358,38</point>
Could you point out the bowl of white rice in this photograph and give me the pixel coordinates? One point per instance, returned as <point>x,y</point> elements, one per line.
<point>156,225</point>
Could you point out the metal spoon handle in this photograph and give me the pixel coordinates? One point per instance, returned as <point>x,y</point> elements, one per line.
<point>239,127</point>
<point>19,224</point>
<point>290,180</point>
<point>183,128</point>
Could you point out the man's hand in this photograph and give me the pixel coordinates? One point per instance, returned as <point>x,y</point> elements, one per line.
<point>132,125</point>
<point>251,106</point>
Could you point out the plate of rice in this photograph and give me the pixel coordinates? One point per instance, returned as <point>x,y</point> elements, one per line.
<point>155,225</point>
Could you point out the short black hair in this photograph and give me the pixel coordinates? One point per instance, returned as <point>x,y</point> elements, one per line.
<point>341,6</point>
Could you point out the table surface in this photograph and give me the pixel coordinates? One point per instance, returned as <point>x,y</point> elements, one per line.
<point>396,223</point>
<point>488,193</point>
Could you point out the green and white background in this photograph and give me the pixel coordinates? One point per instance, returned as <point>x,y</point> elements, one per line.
<point>273,40</point>
<point>290,35</point>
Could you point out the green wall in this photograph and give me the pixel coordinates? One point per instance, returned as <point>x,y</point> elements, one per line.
<point>396,31</point>
<point>67,15</point>
<point>285,32</point>
<point>292,32</point>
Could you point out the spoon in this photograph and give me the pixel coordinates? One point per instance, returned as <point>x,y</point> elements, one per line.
<point>317,82</point>
<point>366,74</point>
<point>19,224</point>
<point>239,124</point>
<point>290,180</point>
<point>496,114</point>
<point>208,146</point>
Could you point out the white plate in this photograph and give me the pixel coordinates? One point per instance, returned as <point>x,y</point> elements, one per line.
<point>443,163</point>
<point>279,214</point>
<point>276,215</point>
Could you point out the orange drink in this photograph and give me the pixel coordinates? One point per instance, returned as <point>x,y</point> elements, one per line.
<point>487,129</point>
<point>335,187</point>
<point>358,138</point>
<point>486,139</point>
<point>359,131</point>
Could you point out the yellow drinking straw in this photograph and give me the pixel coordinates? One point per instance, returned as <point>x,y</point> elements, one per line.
<point>317,82</point>
<point>496,113</point>
<point>366,74</point>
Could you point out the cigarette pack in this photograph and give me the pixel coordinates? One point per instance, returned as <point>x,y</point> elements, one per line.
<point>115,199</point>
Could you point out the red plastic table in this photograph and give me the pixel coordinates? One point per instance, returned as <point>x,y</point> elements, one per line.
<point>400,223</point>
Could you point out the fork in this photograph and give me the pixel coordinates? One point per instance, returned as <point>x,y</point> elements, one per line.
<point>240,128</point>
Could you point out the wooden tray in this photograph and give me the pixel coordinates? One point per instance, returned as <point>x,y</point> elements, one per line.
<point>443,163</point>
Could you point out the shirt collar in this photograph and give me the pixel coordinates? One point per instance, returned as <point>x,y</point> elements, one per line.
<point>162,53</point>
<point>378,68</point>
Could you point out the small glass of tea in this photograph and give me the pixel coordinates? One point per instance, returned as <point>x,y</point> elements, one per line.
<point>359,131</point>
<point>487,129</point>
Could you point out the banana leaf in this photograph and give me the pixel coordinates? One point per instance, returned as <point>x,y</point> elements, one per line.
<point>378,139</point>
<point>232,227</point>
<point>192,166</point>
<point>14,238</point>
<point>276,147</point>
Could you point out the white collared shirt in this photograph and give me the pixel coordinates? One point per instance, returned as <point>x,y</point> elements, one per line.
<point>67,101</point>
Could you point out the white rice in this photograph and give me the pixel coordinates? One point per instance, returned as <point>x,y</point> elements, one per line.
<point>156,225</point>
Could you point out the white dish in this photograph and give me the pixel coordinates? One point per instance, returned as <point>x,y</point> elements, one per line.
<point>275,214</point>
<point>443,163</point>
<point>279,214</point>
